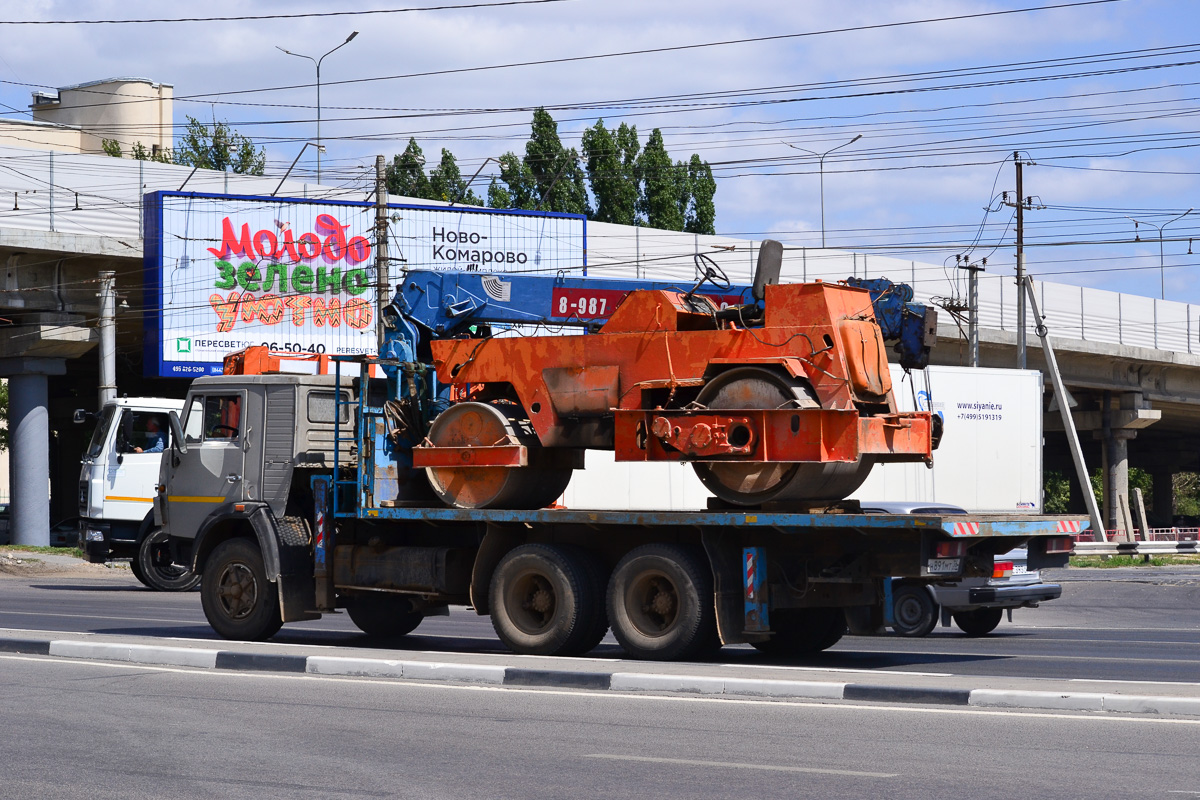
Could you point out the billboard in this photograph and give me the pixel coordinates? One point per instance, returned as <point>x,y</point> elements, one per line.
<point>224,272</point>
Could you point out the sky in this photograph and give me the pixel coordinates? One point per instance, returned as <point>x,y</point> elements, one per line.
<point>1100,97</point>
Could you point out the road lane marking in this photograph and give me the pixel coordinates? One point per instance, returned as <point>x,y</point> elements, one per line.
<point>691,762</point>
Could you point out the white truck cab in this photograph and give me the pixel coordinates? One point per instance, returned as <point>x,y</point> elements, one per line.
<point>116,489</point>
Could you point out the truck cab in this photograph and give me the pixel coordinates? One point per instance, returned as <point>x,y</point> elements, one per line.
<point>116,489</point>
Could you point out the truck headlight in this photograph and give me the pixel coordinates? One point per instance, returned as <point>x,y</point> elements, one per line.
<point>94,535</point>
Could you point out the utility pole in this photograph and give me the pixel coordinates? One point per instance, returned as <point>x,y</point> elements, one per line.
<point>381,254</point>
<point>108,337</point>
<point>1022,202</point>
<point>973,271</point>
<point>1020,264</point>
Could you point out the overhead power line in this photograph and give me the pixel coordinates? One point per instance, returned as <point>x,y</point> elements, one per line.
<point>301,15</point>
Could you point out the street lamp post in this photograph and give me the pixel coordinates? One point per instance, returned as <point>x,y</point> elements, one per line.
<point>1162,275</point>
<point>317,62</point>
<point>821,157</point>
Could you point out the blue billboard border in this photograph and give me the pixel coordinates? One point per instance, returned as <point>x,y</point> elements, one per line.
<point>152,250</point>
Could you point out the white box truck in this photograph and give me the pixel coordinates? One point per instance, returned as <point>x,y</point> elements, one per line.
<point>116,490</point>
<point>989,460</point>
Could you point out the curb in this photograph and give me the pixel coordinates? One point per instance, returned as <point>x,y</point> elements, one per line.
<point>600,681</point>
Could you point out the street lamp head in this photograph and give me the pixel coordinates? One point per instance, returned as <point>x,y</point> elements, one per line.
<point>855,139</point>
<point>351,36</point>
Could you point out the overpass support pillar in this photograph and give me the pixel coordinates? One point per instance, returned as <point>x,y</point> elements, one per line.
<point>1116,475</point>
<point>29,437</point>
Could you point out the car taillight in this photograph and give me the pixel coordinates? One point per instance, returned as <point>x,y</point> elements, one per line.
<point>1002,569</point>
<point>951,549</point>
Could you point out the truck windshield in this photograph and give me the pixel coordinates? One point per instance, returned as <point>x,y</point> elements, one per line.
<point>101,434</point>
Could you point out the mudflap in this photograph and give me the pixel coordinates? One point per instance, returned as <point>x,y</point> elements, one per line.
<point>297,589</point>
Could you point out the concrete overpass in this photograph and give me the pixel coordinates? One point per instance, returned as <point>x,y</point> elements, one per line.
<point>1132,363</point>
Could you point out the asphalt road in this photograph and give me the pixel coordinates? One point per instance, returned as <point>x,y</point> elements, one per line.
<point>1125,624</point>
<point>87,730</point>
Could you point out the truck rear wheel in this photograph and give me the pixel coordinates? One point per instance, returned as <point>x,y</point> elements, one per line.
<point>979,621</point>
<point>660,603</point>
<point>803,631</point>
<point>913,611</point>
<point>154,567</point>
<point>238,600</point>
<point>385,615</point>
<point>544,602</point>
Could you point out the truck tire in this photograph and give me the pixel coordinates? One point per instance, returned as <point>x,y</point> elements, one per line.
<point>384,615</point>
<point>598,575</point>
<point>136,569</point>
<point>979,621</point>
<point>803,631</point>
<point>660,603</point>
<point>913,611</point>
<point>238,600</point>
<point>154,567</point>
<point>543,601</point>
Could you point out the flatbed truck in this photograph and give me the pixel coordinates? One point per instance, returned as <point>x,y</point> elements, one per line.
<point>273,488</point>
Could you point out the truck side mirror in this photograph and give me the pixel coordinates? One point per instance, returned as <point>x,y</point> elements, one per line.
<point>82,415</point>
<point>178,442</point>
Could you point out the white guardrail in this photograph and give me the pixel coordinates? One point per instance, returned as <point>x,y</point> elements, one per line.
<point>1157,541</point>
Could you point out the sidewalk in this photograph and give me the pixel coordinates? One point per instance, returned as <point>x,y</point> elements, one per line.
<point>707,679</point>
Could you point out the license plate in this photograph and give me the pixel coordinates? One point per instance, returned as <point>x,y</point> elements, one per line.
<point>939,566</point>
<point>1019,569</point>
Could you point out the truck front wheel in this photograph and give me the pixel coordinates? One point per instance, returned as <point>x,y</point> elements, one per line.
<point>154,567</point>
<point>238,600</point>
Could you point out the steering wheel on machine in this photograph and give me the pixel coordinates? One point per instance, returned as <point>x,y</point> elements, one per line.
<point>712,273</point>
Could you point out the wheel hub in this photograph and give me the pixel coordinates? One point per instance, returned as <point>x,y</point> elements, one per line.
<point>237,591</point>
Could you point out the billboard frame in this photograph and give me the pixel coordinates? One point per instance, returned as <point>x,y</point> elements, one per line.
<point>154,366</point>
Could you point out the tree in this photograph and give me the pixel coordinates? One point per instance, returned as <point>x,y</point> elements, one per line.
<point>446,183</point>
<point>612,171</point>
<point>665,189</point>
<point>405,176</point>
<point>702,213</point>
<point>549,177</point>
<point>219,147</point>
<point>138,152</point>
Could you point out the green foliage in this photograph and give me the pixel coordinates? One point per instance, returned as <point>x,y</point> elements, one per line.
<point>219,147</point>
<point>611,163</point>
<point>1186,489</point>
<point>630,185</point>
<point>405,176</point>
<point>446,183</point>
<point>665,185</point>
<point>557,177</point>
<point>702,213</point>
<point>1108,562</point>
<point>140,153</point>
